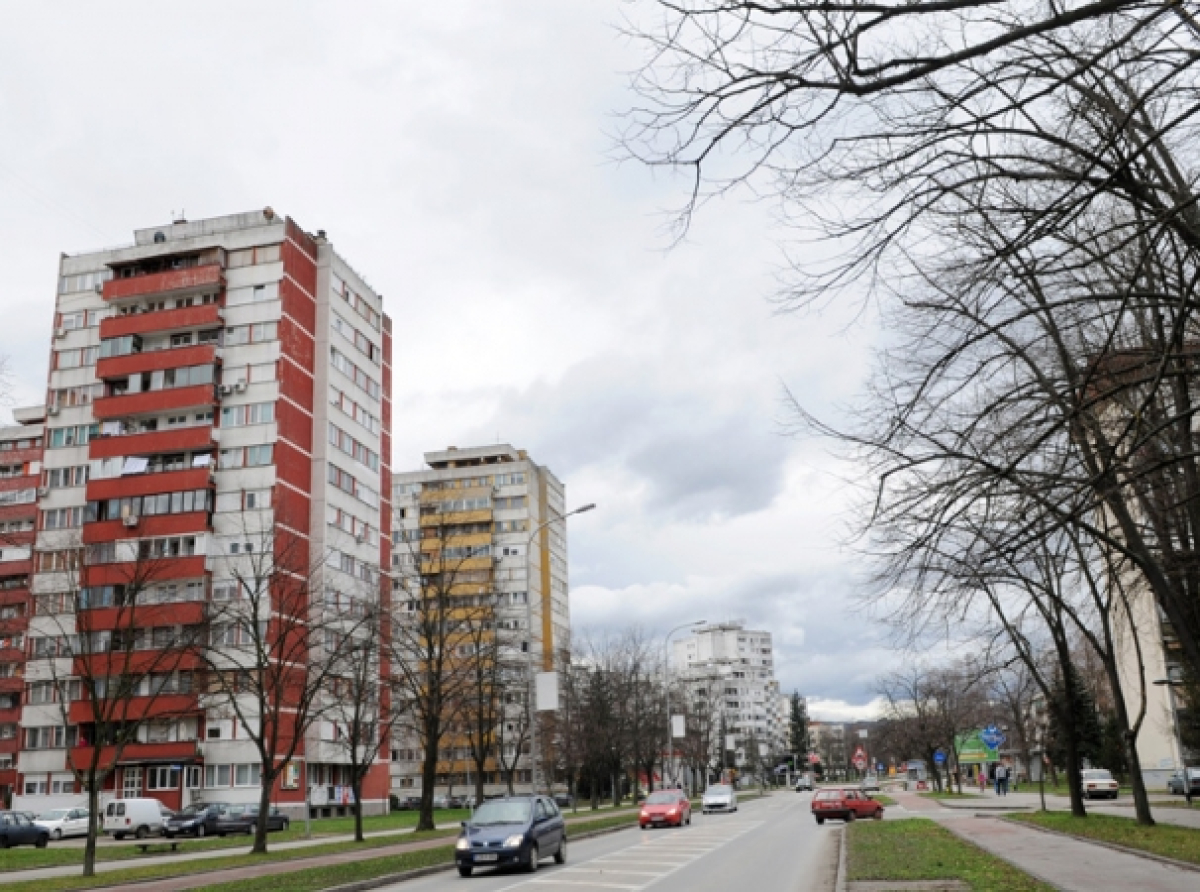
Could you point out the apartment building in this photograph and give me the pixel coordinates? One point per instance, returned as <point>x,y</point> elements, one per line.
<point>730,670</point>
<point>489,512</point>
<point>20,464</point>
<point>219,397</point>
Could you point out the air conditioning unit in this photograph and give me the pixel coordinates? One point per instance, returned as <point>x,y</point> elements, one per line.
<point>99,287</point>
<point>226,389</point>
<point>52,410</point>
<point>130,521</point>
<point>240,386</point>
<point>43,491</point>
<point>60,332</point>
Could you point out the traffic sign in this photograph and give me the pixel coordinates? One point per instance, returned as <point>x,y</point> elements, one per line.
<point>993,738</point>
<point>813,758</point>
<point>939,757</point>
<point>860,759</point>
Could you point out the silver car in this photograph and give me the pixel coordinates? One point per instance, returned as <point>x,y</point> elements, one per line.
<point>719,797</point>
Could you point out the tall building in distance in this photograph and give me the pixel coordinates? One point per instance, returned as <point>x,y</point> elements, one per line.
<point>219,391</point>
<point>729,670</point>
<point>494,507</point>
<point>20,466</point>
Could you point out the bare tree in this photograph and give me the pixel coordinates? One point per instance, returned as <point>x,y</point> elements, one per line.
<point>121,662</point>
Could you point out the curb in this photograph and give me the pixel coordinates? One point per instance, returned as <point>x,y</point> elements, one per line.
<point>839,885</point>
<point>1150,856</point>
<point>417,873</point>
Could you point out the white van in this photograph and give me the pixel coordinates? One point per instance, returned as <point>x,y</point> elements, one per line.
<point>133,817</point>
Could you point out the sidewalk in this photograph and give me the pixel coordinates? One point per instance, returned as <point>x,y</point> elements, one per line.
<point>1072,865</point>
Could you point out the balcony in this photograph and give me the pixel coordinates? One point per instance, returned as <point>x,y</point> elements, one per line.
<point>149,572</point>
<point>155,360</point>
<point>161,321</point>
<point>157,525</point>
<point>172,283</point>
<point>149,402</point>
<point>12,685</point>
<point>106,619</point>
<point>135,753</point>
<point>139,661</point>
<point>451,518</point>
<point>148,484</point>
<point>176,439</point>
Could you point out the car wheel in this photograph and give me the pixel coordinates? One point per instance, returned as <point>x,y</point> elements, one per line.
<point>850,816</point>
<point>285,825</point>
<point>142,832</point>
<point>56,835</point>
<point>42,840</point>
<point>689,819</point>
<point>169,835</point>
<point>878,816</point>
<point>560,857</point>
<point>118,836</point>
<point>200,831</point>
<point>534,857</point>
<point>220,834</point>
<point>464,870</point>
<point>820,820</point>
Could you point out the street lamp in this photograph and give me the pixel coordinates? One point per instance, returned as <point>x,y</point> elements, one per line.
<point>667,688</point>
<point>532,692</point>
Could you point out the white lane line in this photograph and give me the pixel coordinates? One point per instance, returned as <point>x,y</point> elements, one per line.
<point>561,882</point>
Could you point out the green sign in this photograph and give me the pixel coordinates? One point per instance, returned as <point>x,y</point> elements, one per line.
<point>972,749</point>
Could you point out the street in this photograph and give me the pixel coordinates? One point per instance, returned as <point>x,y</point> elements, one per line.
<point>770,843</point>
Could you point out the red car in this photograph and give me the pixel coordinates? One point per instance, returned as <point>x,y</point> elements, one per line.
<point>845,804</point>
<point>664,808</point>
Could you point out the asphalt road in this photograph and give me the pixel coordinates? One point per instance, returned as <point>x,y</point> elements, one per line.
<point>768,844</point>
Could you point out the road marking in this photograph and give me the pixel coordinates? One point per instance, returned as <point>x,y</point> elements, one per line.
<point>642,864</point>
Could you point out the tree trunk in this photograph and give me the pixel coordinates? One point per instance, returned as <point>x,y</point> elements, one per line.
<point>356,779</point>
<point>95,819</point>
<point>428,779</point>
<point>264,810</point>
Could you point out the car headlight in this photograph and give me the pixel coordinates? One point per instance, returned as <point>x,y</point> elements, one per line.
<point>671,812</point>
<point>463,843</point>
<point>514,841</point>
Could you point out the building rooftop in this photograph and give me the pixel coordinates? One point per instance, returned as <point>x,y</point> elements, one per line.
<point>453,457</point>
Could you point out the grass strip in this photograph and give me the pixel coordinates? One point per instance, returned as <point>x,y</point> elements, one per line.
<point>883,799</point>
<point>1167,840</point>
<point>58,855</point>
<point>206,865</point>
<point>920,849</point>
<point>948,794</point>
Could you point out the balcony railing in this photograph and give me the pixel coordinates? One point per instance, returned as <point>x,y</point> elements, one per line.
<point>172,282</point>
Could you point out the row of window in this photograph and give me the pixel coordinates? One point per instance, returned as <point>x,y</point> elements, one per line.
<point>146,506</point>
<point>163,379</point>
<point>254,333</point>
<point>72,435</point>
<point>361,379</point>
<point>25,443</point>
<point>355,300</point>
<point>347,522</point>
<point>83,395</point>
<point>348,563</point>
<point>56,478</point>
<point>361,342</point>
<point>246,456</point>
<point>356,450</point>
<point>18,496</point>
<point>252,413</point>
<point>354,410</point>
<point>350,484</point>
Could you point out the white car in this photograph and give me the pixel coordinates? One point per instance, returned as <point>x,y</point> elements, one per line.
<point>64,822</point>
<point>1099,782</point>
<point>719,797</point>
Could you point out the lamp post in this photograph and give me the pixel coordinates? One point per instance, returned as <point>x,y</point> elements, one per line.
<point>532,692</point>
<point>667,688</point>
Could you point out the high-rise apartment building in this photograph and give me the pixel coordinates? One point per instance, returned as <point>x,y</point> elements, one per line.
<point>729,670</point>
<point>20,464</point>
<point>219,395</point>
<point>492,509</point>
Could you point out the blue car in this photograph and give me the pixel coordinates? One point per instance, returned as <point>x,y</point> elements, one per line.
<point>515,831</point>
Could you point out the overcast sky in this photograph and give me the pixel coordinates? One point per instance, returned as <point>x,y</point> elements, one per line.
<point>461,157</point>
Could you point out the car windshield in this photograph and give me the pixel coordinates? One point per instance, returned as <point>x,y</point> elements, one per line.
<point>717,791</point>
<point>1098,774</point>
<point>661,798</point>
<point>498,811</point>
<point>828,794</point>
<point>55,815</point>
<point>190,812</point>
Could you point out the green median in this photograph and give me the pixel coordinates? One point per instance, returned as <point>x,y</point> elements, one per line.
<point>1167,840</point>
<point>919,849</point>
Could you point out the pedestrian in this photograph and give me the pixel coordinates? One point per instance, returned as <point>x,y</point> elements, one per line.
<point>981,776</point>
<point>1000,773</point>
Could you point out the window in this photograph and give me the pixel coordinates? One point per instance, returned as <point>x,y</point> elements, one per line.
<point>360,378</point>
<point>162,778</point>
<point>58,478</point>
<point>75,435</point>
<point>74,359</point>
<point>347,483</point>
<point>195,777</point>
<point>119,346</point>
<point>183,502</point>
<point>257,333</point>
<point>217,775</point>
<point>248,775</point>
<point>254,413</point>
<point>356,450</point>
<point>18,496</point>
<point>62,518</point>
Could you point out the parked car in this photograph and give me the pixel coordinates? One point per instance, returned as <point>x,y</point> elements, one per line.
<point>17,830</point>
<point>664,808</point>
<point>198,819</point>
<point>62,822</point>
<point>1189,776</point>
<point>133,817</point>
<point>449,802</point>
<point>1099,783</point>
<point>515,830</point>
<point>244,819</point>
<point>804,782</point>
<point>719,797</point>
<point>408,803</point>
<point>870,784</point>
<point>564,800</point>
<point>846,804</point>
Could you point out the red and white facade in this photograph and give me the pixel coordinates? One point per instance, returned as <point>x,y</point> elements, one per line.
<point>217,385</point>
